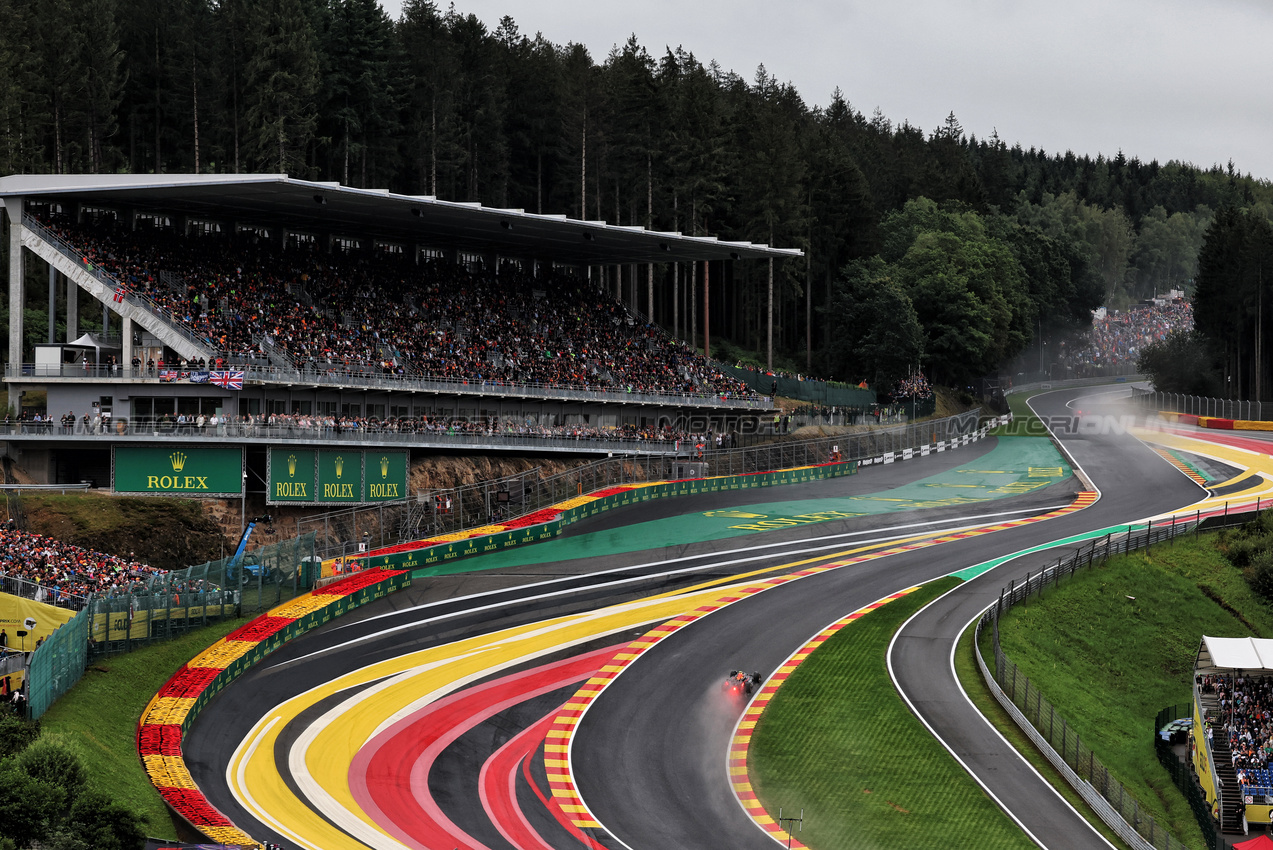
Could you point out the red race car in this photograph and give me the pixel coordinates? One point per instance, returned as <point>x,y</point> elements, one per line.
<point>740,681</point>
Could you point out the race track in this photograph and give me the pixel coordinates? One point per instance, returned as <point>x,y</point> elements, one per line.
<point>420,721</point>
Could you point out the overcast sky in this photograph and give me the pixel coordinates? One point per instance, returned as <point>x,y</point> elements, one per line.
<point>1159,80</point>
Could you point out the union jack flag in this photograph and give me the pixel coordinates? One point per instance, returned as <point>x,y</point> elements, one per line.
<point>229,380</point>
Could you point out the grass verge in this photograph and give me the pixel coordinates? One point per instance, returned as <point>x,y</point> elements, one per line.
<point>1115,644</point>
<point>975,686</point>
<point>101,712</point>
<point>838,742</point>
<point>1024,423</point>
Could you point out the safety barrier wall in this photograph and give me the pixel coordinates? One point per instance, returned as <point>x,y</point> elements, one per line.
<point>1221,409</point>
<point>173,709</point>
<point>547,524</point>
<point>1217,423</point>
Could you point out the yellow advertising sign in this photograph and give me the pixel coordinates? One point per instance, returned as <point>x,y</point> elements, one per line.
<point>15,611</point>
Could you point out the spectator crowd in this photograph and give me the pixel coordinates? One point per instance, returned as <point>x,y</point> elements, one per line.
<point>383,312</point>
<point>1246,716</point>
<point>58,573</point>
<point>1117,338</point>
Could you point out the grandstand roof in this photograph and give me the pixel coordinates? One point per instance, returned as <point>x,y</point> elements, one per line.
<point>1218,653</point>
<point>306,205</point>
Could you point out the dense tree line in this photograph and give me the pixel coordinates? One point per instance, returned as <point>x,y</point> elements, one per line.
<point>436,103</point>
<point>1228,355</point>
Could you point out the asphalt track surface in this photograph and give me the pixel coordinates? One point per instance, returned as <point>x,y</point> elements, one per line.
<point>649,755</point>
<point>1132,487</point>
<point>436,611</point>
<point>648,758</point>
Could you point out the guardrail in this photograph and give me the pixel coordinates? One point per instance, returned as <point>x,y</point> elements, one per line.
<point>48,488</point>
<point>1049,730</point>
<point>1075,382</point>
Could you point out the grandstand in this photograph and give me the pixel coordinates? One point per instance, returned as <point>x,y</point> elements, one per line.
<point>1231,734</point>
<point>258,311</point>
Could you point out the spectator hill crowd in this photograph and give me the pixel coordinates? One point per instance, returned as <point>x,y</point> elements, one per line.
<point>1118,338</point>
<point>63,574</point>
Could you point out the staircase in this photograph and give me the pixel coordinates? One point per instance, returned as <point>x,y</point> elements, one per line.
<point>1232,808</point>
<point>168,329</point>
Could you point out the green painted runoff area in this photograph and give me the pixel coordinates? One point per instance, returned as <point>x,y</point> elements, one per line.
<point>1016,465</point>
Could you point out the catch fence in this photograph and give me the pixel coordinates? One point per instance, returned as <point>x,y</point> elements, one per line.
<point>1059,742</point>
<point>1196,405</point>
<point>162,606</point>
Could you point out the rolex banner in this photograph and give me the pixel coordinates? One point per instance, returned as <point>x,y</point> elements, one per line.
<point>384,476</point>
<point>336,476</point>
<point>291,475</point>
<point>169,471</point>
<point>340,476</point>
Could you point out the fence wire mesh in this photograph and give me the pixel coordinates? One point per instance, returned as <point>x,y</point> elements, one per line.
<point>166,605</point>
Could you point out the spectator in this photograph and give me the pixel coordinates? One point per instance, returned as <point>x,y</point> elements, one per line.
<point>61,573</point>
<point>380,313</point>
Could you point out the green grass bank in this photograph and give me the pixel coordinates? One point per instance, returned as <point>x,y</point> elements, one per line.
<point>1114,645</point>
<point>838,742</point>
<point>101,712</point>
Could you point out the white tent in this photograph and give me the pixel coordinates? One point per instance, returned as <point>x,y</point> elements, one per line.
<point>1218,654</point>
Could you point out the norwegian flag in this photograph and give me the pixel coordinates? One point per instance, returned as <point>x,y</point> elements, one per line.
<point>120,293</point>
<point>229,380</point>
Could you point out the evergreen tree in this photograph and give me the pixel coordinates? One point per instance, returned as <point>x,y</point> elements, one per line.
<point>280,85</point>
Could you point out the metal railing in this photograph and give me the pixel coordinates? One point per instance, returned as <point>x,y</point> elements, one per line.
<point>341,532</point>
<point>1194,405</point>
<point>33,590</point>
<point>1059,742</point>
<point>457,436</point>
<point>160,606</point>
<point>342,376</point>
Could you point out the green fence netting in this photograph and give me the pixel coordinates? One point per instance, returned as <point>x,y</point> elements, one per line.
<point>166,605</point>
<point>815,392</point>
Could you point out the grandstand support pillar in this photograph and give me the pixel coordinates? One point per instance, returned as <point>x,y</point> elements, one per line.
<point>676,301</point>
<point>707,308</point>
<point>769,357</point>
<point>649,286</point>
<point>126,331</point>
<point>53,304</point>
<point>72,309</point>
<point>17,297</point>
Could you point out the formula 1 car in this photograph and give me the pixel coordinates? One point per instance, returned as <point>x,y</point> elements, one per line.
<point>740,681</point>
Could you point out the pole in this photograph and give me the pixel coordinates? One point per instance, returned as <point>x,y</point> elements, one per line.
<point>707,316</point>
